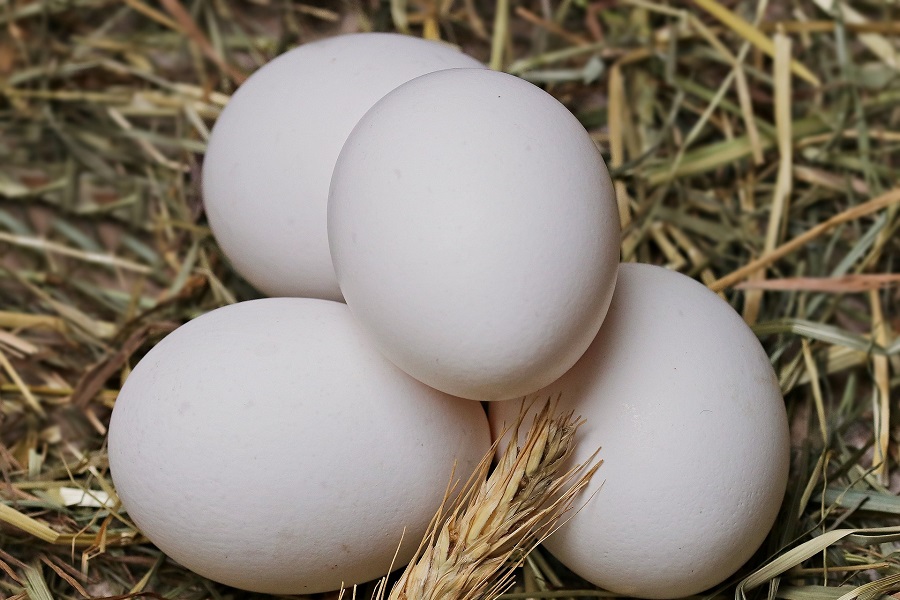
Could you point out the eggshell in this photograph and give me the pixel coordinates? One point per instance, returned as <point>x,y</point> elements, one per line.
<point>682,399</point>
<point>272,151</point>
<point>474,232</point>
<point>267,445</point>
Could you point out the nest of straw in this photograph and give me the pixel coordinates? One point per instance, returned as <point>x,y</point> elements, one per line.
<point>754,146</point>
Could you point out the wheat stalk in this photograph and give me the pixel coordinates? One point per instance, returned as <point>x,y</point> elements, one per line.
<point>472,548</point>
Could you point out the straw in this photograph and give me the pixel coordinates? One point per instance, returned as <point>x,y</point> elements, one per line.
<point>754,146</point>
<point>471,552</point>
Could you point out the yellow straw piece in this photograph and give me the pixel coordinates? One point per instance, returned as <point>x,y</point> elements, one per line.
<point>31,526</point>
<point>753,35</point>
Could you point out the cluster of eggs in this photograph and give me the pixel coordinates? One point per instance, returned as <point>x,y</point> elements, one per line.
<point>432,233</point>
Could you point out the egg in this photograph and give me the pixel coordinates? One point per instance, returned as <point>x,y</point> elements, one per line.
<point>685,406</point>
<point>474,232</point>
<point>271,152</point>
<point>268,446</point>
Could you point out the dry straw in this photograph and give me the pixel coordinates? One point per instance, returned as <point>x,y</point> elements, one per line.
<point>472,548</point>
<point>105,109</point>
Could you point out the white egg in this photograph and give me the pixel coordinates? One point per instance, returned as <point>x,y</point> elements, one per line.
<point>267,445</point>
<point>474,232</point>
<point>682,399</point>
<point>272,151</point>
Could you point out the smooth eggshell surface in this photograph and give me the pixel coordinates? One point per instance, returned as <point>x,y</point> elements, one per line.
<point>267,445</point>
<point>474,232</point>
<point>271,153</point>
<point>682,399</point>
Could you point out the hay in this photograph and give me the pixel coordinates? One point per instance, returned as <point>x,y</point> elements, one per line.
<point>472,548</point>
<point>754,145</point>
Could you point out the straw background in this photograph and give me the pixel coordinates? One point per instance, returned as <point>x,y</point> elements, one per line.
<point>754,146</point>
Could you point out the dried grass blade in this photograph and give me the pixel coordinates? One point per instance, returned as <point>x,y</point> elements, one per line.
<point>861,210</point>
<point>836,285</point>
<point>93,380</point>
<point>91,257</point>
<point>878,44</point>
<point>552,27</point>
<point>753,35</point>
<point>873,589</point>
<point>617,123</point>
<point>882,408</point>
<point>795,556</point>
<point>31,526</point>
<point>152,13</point>
<point>741,85</point>
<point>500,35</point>
<point>829,334</point>
<point>30,399</point>
<point>780,202</point>
<point>813,371</point>
<point>187,23</point>
<point>9,571</point>
<point>883,502</point>
<point>398,15</point>
<point>36,585</point>
<point>67,577</point>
